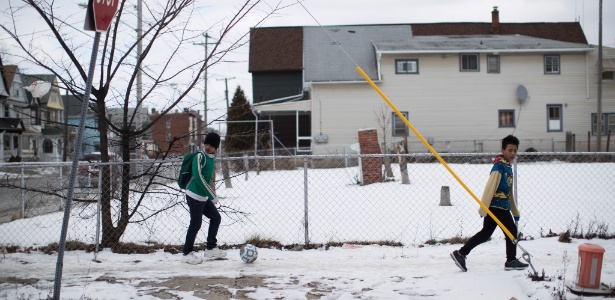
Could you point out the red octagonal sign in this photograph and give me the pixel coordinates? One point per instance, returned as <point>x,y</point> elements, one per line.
<point>100,14</point>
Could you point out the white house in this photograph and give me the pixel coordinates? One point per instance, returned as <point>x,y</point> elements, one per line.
<point>463,86</point>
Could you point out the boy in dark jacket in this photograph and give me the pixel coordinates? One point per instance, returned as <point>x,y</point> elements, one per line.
<point>201,201</point>
<point>498,197</point>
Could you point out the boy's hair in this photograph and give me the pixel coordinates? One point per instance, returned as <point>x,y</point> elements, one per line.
<point>510,140</point>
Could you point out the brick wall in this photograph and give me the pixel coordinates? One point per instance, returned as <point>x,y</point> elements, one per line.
<point>371,167</point>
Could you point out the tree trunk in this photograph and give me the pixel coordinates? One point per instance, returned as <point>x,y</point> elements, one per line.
<point>403,161</point>
<point>388,171</point>
<point>225,172</point>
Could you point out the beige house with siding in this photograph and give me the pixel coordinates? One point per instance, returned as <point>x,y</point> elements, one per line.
<point>463,86</point>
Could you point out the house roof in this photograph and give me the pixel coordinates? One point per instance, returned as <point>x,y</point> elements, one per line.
<point>14,125</point>
<point>9,72</point>
<point>276,49</point>
<point>566,32</point>
<point>280,49</point>
<point>476,43</point>
<point>72,105</point>
<point>4,91</point>
<point>325,60</point>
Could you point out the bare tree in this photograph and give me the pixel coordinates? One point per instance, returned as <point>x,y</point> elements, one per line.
<point>167,57</point>
<point>383,119</point>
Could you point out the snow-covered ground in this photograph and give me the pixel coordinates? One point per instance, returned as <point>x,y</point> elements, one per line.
<point>368,272</point>
<point>339,211</point>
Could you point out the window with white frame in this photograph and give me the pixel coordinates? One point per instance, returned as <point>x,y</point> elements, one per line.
<point>607,75</point>
<point>493,64</point>
<point>506,118</point>
<point>406,66</point>
<point>469,62</point>
<point>47,146</point>
<point>552,64</point>
<point>554,118</point>
<point>608,123</point>
<point>16,88</point>
<point>399,126</point>
<point>168,123</point>
<point>7,111</point>
<point>168,137</point>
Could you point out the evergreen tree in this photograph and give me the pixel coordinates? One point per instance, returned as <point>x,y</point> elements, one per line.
<point>240,135</point>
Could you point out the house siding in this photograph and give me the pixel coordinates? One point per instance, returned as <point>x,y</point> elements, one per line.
<point>459,110</point>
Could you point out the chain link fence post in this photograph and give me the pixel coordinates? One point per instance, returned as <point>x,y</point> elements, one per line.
<point>305,197</point>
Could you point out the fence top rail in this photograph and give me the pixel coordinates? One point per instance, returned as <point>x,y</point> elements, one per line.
<point>173,161</point>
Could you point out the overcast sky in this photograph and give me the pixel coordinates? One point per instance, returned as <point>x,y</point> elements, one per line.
<point>348,12</point>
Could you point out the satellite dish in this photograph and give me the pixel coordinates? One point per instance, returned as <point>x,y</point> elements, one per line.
<point>522,94</point>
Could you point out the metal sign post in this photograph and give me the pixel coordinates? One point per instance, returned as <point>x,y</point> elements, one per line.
<point>100,12</point>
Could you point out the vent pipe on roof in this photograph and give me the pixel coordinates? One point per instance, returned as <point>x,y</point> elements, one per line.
<point>495,20</point>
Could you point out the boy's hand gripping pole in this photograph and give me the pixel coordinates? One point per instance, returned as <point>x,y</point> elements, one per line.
<point>526,255</point>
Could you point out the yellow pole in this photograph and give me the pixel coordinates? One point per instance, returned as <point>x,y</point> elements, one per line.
<point>512,238</point>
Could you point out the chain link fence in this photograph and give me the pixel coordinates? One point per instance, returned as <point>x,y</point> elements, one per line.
<point>304,199</point>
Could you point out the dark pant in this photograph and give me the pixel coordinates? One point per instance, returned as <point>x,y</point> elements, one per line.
<point>489,226</point>
<point>197,210</point>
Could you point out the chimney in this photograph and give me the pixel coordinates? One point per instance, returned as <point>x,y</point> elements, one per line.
<point>495,20</point>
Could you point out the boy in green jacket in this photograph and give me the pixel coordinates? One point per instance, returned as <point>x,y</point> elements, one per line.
<point>498,197</point>
<point>201,201</point>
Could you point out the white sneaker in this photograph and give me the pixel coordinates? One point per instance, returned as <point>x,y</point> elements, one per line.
<point>192,259</point>
<point>214,253</point>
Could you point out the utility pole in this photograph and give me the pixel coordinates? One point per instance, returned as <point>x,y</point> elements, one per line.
<point>225,168</point>
<point>226,93</point>
<point>205,77</point>
<point>599,108</point>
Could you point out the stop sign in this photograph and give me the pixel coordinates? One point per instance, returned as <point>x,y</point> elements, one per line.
<point>100,14</point>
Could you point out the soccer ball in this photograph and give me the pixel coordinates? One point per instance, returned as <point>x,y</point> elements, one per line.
<point>248,253</point>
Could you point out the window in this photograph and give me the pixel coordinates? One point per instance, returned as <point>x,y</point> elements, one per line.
<point>47,146</point>
<point>7,142</point>
<point>608,123</point>
<point>399,127</point>
<point>551,64</point>
<point>406,66</point>
<point>168,137</point>
<point>15,142</point>
<point>7,111</point>
<point>506,118</point>
<point>168,123</point>
<point>60,147</point>
<point>16,88</point>
<point>34,115</point>
<point>608,75</point>
<point>554,118</point>
<point>33,146</point>
<point>469,62</point>
<point>493,64</point>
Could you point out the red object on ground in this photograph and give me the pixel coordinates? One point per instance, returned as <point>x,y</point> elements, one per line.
<point>590,265</point>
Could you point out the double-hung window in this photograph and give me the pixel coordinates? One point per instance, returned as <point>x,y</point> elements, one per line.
<point>608,123</point>
<point>552,64</point>
<point>493,64</point>
<point>399,126</point>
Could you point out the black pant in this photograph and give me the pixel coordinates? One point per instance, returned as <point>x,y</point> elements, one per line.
<point>489,226</point>
<point>197,210</point>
